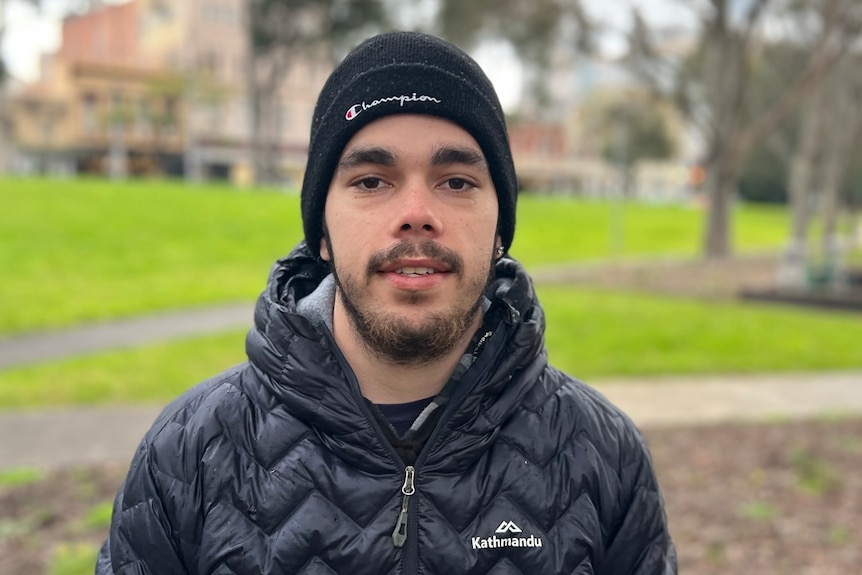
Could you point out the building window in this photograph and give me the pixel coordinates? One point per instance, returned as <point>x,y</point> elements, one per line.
<point>170,116</point>
<point>47,127</point>
<point>89,120</point>
<point>216,117</point>
<point>142,119</point>
<point>119,115</point>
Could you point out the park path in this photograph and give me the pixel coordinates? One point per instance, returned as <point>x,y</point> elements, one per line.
<point>49,438</point>
<point>53,345</point>
<point>52,438</point>
<point>21,350</point>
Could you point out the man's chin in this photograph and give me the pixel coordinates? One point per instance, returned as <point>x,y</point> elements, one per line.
<point>413,338</point>
<point>417,300</point>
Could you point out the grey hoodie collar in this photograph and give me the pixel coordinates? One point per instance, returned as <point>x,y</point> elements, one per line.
<point>317,306</point>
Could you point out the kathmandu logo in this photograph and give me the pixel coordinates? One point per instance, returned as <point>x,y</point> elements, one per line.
<point>508,527</point>
<point>356,109</point>
<point>513,540</point>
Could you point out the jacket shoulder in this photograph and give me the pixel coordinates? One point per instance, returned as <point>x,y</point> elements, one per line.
<point>572,411</point>
<point>191,421</point>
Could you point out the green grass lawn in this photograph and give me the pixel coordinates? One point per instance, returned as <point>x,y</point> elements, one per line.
<point>73,251</point>
<point>556,230</point>
<point>590,335</point>
<point>598,334</point>
<point>149,374</point>
<point>76,251</point>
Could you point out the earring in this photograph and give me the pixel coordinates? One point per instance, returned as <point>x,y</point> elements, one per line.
<point>499,251</point>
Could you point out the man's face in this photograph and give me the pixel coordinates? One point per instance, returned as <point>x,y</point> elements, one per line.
<point>410,220</point>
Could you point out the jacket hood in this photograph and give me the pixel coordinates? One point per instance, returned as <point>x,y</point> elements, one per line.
<point>302,368</point>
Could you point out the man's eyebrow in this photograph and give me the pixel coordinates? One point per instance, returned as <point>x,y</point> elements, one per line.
<point>362,156</point>
<point>457,155</point>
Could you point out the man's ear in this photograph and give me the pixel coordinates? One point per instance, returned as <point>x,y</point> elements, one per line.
<point>324,249</point>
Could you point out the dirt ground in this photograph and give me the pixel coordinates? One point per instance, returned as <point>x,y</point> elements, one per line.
<point>723,279</point>
<point>776,499</point>
<point>772,498</point>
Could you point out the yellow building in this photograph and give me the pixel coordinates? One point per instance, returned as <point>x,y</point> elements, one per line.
<point>88,113</point>
<point>157,87</point>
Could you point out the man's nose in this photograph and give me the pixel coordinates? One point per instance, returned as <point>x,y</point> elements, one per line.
<point>418,213</point>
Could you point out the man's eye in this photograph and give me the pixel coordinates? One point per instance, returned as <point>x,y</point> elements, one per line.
<point>459,184</point>
<point>369,183</point>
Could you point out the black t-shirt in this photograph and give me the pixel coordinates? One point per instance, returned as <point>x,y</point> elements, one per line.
<point>402,415</point>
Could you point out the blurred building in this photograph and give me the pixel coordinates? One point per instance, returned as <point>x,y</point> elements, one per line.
<point>542,158</point>
<point>577,88</point>
<point>157,87</point>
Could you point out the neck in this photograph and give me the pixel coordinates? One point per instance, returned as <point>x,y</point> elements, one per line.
<point>382,381</point>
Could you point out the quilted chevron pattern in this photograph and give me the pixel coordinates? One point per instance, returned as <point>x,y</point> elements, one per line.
<point>277,466</point>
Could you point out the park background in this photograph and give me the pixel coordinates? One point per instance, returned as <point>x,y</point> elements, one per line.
<point>683,214</point>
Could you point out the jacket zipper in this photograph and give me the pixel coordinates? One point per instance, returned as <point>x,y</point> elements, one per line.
<point>411,553</point>
<point>399,535</point>
<point>408,488</point>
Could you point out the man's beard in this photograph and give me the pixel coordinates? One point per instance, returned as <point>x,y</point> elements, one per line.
<point>396,340</point>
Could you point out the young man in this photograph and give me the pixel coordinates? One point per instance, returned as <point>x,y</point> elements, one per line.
<point>397,413</point>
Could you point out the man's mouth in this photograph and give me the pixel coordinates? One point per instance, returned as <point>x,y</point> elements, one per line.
<point>415,271</point>
<point>409,260</point>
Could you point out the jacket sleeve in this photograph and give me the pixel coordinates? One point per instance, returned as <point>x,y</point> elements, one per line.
<point>641,543</point>
<point>143,539</point>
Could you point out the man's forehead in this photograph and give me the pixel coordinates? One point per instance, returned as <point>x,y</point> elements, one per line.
<point>392,138</point>
<point>389,128</point>
<point>441,155</point>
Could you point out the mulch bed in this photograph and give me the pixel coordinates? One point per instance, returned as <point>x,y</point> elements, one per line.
<point>777,498</point>
<point>769,498</point>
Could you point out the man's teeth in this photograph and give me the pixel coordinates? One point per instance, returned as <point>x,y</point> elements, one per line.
<point>415,271</point>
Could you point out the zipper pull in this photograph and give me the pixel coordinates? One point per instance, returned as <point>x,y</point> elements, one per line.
<point>399,536</point>
<point>481,343</point>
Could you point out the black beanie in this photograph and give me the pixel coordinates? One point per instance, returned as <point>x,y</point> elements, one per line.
<point>405,73</point>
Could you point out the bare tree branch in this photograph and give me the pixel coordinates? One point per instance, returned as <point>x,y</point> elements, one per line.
<point>753,17</point>
<point>824,59</point>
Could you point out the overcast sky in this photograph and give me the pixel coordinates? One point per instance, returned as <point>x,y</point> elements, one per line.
<point>29,33</point>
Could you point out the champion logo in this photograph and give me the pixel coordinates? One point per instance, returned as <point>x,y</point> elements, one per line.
<point>353,112</point>
<point>515,538</point>
<point>357,109</point>
<point>508,527</point>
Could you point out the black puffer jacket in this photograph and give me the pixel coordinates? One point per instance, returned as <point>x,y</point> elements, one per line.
<point>279,465</point>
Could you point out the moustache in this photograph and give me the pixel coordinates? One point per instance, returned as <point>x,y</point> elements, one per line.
<point>428,249</point>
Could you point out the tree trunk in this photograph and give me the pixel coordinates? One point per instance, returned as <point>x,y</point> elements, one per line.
<point>265,92</point>
<point>118,165</point>
<point>832,249</point>
<point>844,125</point>
<point>721,190</point>
<point>194,169</point>
<point>258,137</point>
<point>269,133</point>
<point>792,269</point>
<point>252,93</point>
<point>725,69</point>
<point>5,132</point>
<point>6,145</point>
